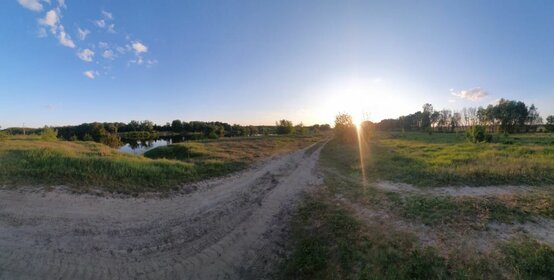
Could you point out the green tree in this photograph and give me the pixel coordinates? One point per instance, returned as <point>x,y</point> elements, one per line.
<point>550,123</point>
<point>284,127</point>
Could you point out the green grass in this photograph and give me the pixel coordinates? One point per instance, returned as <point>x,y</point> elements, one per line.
<point>448,159</point>
<point>477,212</point>
<point>86,165</point>
<point>529,259</point>
<point>329,243</point>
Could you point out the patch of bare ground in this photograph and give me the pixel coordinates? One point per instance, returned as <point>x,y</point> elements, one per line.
<point>458,190</point>
<point>229,228</point>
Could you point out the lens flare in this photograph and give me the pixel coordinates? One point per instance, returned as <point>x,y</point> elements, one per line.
<point>361,142</point>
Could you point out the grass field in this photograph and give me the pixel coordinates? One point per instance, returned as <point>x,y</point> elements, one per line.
<point>85,165</point>
<point>352,230</point>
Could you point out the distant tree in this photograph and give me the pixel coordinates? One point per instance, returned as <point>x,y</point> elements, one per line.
<point>345,130</point>
<point>300,129</point>
<point>550,123</point>
<point>146,125</point>
<point>3,135</point>
<point>176,126</point>
<point>49,134</point>
<point>87,137</point>
<point>426,115</point>
<point>533,117</point>
<point>284,127</point>
<point>325,127</point>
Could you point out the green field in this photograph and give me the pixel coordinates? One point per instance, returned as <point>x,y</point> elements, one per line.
<point>88,165</point>
<point>332,239</point>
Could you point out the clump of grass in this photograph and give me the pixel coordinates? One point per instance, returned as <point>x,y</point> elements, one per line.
<point>465,211</point>
<point>529,259</point>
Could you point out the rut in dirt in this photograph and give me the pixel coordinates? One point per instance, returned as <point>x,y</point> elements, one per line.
<point>229,228</point>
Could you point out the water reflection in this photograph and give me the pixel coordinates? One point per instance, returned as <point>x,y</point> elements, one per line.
<point>139,147</point>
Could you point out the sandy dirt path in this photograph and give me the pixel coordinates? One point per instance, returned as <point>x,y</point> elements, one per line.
<point>230,228</point>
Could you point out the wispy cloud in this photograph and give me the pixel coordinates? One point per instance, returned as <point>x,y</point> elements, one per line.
<point>64,38</point>
<point>108,54</point>
<point>90,74</point>
<point>107,15</point>
<point>52,20</point>
<point>100,23</point>
<point>33,5</point>
<point>473,94</point>
<point>86,55</point>
<point>82,33</point>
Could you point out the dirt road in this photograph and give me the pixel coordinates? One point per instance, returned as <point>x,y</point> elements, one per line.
<point>227,228</point>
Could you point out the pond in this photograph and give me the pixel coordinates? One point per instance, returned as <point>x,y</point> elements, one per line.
<point>139,147</point>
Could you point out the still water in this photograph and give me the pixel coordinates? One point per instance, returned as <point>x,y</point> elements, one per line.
<point>139,147</point>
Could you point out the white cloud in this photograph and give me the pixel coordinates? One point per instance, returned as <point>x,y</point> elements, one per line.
<point>473,94</point>
<point>33,5</point>
<point>108,54</point>
<point>82,33</point>
<point>64,38</point>
<point>51,19</point>
<point>61,3</point>
<point>86,55</point>
<point>100,23</point>
<point>139,47</point>
<point>107,15</point>
<point>90,74</point>
<point>138,61</point>
<point>111,28</point>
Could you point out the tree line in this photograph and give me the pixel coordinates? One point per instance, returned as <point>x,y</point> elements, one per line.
<point>111,133</point>
<point>506,116</point>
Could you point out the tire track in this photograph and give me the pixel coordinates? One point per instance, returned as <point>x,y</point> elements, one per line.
<point>223,230</point>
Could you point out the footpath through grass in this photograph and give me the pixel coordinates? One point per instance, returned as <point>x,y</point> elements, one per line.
<point>85,165</point>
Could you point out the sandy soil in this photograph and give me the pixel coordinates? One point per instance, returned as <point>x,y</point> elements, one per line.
<point>228,228</point>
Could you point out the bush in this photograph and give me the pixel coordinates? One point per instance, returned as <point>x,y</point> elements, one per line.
<point>3,135</point>
<point>49,134</point>
<point>345,129</point>
<point>476,134</point>
<point>284,127</point>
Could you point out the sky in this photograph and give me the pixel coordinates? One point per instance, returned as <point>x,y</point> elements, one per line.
<point>255,62</point>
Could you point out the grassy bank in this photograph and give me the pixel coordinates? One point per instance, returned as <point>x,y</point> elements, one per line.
<point>84,165</point>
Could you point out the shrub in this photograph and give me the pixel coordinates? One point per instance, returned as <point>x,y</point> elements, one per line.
<point>476,134</point>
<point>284,127</point>
<point>345,129</point>
<point>3,135</point>
<point>49,134</point>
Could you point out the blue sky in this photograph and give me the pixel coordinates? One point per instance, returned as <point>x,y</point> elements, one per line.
<point>253,62</point>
